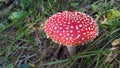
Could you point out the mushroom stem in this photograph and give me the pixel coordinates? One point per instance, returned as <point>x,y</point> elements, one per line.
<point>71,50</point>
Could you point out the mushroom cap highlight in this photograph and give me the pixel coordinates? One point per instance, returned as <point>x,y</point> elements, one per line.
<point>71,28</point>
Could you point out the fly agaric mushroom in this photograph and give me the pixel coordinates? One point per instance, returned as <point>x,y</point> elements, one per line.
<point>71,28</point>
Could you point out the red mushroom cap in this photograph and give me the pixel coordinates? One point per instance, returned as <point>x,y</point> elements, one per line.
<point>71,28</point>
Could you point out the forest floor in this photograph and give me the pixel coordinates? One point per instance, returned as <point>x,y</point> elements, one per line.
<point>23,42</point>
